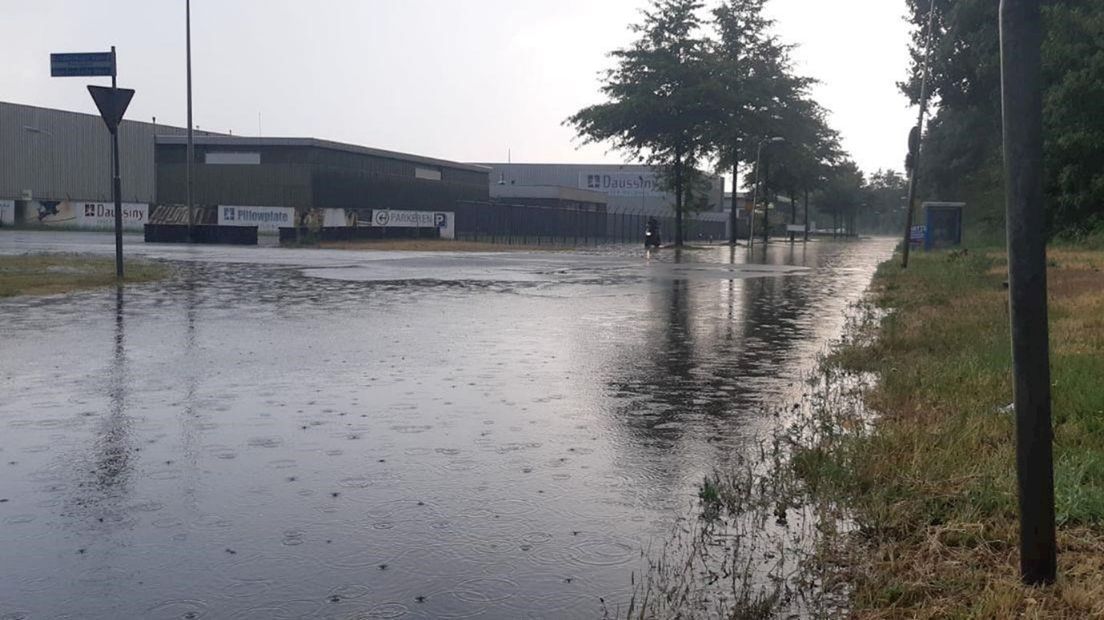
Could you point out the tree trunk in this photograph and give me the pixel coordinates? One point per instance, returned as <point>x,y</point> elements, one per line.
<point>806,213</point>
<point>793,211</point>
<point>678,198</point>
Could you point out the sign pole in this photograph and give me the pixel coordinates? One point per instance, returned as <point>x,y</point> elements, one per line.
<point>116,184</point>
<point>112,103</point>
<point>1021,85</point>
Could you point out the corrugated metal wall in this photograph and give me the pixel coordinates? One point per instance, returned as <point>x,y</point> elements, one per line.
<point>62,155</point>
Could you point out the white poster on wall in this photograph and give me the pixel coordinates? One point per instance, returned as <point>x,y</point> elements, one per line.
<point>102,215</point>
<point>443,221</point>
<point>266,219</point>
<point>7,213</point>
<point>338,218</point>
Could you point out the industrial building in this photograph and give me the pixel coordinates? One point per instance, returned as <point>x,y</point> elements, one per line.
<point>57,168</point>
<point>550,196</point>
<point>628,188</point>
<point>56,172</point>
<point>632,194</point>
<point>309,174</point>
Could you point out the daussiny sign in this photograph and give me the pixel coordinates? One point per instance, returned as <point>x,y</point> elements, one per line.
<point>84,214</point>
<point>621,183</point>
<point>102,215</point>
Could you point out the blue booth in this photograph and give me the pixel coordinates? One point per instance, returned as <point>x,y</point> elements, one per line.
<point>942,224</point>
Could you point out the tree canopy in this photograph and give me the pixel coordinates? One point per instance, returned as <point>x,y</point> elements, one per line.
<point>701,89</point>
<point>658,95</point>
<point>962,146</point>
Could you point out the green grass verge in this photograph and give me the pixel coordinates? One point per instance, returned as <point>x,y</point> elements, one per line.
<point>931,486</point>
<point>49,274</point>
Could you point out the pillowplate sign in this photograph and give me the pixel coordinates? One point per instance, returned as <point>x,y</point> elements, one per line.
<point>266,219</point>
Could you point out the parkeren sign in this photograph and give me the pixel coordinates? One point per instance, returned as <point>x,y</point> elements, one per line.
<point>445,222</point>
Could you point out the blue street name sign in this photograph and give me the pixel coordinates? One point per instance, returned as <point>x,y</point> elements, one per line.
<point>88,64</point>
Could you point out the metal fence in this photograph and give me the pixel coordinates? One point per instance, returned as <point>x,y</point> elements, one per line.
<point>513,224</point>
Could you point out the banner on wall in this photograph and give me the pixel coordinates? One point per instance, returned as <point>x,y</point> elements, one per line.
<point>85,214</point>
<point>102,215</point>
<point>7,213</point>
<point>339,218</point>
<point>445,222</point>
<point>622,183</point>
<point>266,219</point>
<point>51,213</point>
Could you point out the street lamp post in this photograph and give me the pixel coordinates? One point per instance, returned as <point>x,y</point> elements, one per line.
<point>755,190</point>
<point>915,138</point>
<point>191,146</point>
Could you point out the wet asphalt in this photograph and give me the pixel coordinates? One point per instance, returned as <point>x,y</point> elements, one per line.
<point>277,433</point>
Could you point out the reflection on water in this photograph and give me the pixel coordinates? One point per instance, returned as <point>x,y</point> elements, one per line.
<point>434,437</point>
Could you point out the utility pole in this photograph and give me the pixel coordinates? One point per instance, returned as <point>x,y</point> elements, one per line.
<point>191,146</point>
<point>915,137</point>
<point>733,220</point>
<point>766,203</point>
<point>1021,84</point>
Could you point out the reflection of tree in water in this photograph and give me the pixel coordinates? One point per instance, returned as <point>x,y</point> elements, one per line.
<point>708,360</point>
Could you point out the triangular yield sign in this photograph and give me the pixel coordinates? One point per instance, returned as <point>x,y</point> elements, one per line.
<point>112,103</point>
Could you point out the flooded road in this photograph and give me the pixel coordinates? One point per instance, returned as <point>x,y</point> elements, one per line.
<point>297,434</point>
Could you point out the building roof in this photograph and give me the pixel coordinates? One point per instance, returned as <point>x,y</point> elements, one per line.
<point>256,142</point>
<point>57,113</point>
<point>557,192</point>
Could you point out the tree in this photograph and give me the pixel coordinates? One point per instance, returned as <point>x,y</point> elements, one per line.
<point>761,97</point>
<point>884,194</point>
<point>1073,59</point>
<point>757,84</point>
<point>809,154</point>
<point>842,195</point>
<point>658,96</point>
<point>962,146</point>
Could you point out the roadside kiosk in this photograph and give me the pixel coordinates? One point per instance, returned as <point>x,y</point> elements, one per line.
<point>942,224</point>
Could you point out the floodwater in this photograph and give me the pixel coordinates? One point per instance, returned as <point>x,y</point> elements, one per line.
<point>320,434</point>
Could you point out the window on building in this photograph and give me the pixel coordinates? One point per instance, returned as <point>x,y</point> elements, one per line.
<point>233,158</point>
<point>428,174</point>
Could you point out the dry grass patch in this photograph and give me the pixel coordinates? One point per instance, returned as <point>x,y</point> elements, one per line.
<point>50,274</point>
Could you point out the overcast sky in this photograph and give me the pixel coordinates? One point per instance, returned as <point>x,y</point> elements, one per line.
<point>464,80</point>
